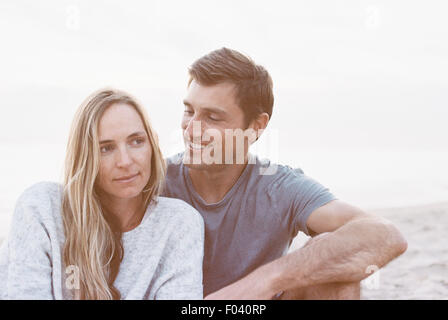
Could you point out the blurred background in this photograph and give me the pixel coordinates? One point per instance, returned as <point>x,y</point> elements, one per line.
<point>361,99</point>
<point>361,87</point>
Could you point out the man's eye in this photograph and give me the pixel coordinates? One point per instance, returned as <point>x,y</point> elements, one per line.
<point>188,112</point>
<point>213,118</point>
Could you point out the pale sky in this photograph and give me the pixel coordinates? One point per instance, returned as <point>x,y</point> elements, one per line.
<point>352,75</point>
<point>377,68</point>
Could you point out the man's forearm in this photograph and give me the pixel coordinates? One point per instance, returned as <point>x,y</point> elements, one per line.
<point>339,256</point>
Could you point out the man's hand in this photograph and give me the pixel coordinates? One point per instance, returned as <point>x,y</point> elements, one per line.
<point>255,286</point>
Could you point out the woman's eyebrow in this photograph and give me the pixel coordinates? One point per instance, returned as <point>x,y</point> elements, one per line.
<point>106,141</point>
<point>135,134</point>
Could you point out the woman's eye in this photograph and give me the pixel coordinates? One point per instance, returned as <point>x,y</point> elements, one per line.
<point>105,149</point>
<point>188,112</point>
<point>213,118</point>
<point>138,141</point>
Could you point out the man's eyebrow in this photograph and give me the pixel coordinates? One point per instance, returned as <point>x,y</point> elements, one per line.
<point>214,110</point>
<point>207,109</point>
<point>135,134</point>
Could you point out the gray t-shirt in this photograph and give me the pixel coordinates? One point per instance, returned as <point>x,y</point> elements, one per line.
<point>162,255</point>
<point>256,220</point>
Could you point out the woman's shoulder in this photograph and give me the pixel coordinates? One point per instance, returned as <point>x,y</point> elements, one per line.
<point>41,195</point>
<point>177,210</point>
<point>41,192</point>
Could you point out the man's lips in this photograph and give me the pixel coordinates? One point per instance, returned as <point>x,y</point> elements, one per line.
<point>198,146</point>
<point>127,178</point>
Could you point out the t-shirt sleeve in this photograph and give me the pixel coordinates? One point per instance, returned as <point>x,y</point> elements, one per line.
<point>182,280</point>
<point>28,254</point>
<point>304,195</point>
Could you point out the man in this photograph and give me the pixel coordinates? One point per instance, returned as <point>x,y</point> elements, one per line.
<point>251,213</point>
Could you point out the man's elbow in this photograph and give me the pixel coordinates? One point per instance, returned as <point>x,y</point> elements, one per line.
<point>386,230</point>
<point>396,241</point>
<point>393,242</point>
<point>400,244</point>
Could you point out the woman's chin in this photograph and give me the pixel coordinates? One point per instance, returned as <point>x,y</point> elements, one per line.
<point>128,193</point>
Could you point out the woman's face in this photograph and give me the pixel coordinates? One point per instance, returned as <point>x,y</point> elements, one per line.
<point>125,152</point>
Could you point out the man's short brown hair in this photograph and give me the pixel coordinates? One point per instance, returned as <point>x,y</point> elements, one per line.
<point>253,84</point>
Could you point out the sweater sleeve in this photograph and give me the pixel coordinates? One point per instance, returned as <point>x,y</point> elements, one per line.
<point>28,250</point>
<point>182,280</point>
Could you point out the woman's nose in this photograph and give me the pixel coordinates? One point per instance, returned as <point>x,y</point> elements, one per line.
<point>124,158</point>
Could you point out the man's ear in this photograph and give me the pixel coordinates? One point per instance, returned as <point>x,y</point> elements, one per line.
<point>260,123</point>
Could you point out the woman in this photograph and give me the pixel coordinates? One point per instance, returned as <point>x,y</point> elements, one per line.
<point>105,234</point>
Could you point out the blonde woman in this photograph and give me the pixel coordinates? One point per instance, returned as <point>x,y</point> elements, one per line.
<point>105,233</point>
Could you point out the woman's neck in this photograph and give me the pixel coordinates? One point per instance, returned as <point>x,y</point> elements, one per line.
<point>127,212</point>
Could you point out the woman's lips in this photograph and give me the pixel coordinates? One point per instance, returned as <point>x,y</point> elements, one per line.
<point>126,179</point>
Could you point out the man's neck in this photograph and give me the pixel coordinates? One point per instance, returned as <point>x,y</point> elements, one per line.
<point>212,185</point>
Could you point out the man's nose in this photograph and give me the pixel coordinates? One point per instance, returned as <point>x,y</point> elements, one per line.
<point>193,130</point>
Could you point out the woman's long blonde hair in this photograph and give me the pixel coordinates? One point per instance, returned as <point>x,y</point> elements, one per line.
<point>92,239</point>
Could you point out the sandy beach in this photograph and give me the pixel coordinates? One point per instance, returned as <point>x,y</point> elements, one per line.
<point>422,271</point>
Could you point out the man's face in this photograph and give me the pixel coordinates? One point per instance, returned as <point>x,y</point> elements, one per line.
<point>209,112</point>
